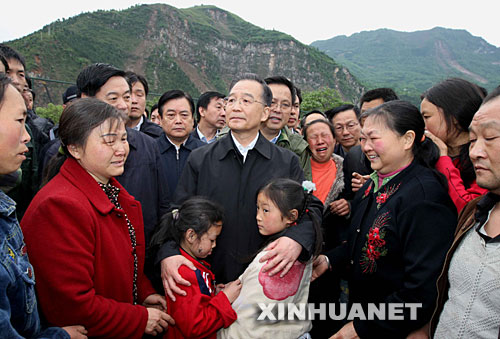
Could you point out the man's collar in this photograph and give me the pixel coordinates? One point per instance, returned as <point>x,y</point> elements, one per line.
<point>138,126</point>
<point>226,144</point>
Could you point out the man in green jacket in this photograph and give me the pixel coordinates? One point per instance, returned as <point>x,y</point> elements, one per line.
<point>274,128</point>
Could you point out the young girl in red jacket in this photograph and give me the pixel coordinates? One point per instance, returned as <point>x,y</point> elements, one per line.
<point>194,227</point>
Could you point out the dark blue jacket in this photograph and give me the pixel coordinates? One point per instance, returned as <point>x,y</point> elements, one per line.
<point>150,128</point>
<point>174,162</point>
<point>144,178</point>
<point>19,316</point>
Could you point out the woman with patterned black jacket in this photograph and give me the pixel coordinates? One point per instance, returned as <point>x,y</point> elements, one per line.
<point>402,225</point>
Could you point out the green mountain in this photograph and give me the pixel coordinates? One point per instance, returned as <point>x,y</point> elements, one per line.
<point>195,49</point>
<point>412,62</point>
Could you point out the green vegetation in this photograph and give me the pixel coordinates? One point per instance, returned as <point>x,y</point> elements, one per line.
<point>194,49</point>
<point>410,63</point>
<point>323,100</point>
<point>52,112</point>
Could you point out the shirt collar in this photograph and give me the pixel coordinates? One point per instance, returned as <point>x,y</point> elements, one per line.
<point>7,205</point>
<point>204,138</point>
<point>138,126</point>
<point>177,148</point>
<point>244,150</point>
<point>275,139</point>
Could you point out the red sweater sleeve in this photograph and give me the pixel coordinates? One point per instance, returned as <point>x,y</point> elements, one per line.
<point>61,237</point>
<point>198,315</point>
<point>456,188</point>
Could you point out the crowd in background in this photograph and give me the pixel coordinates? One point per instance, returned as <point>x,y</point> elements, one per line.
<point>176,221</point>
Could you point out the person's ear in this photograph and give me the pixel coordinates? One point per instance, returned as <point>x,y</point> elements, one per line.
<point>265,114</point>
<point>75,151</point>
<point>190,236</point>
<point>294,216</point>
<point>201,111</point>
<point>409,139</point>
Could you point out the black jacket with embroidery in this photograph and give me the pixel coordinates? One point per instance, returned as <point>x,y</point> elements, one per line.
<point>398,240</point>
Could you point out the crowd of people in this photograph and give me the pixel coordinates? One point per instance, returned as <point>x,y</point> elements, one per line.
<point>178,221</point>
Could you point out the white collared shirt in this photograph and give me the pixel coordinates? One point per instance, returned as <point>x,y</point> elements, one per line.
<point>138,126</point>
<point>244,150</point>
<point>204,138</point>
<point>275,139</point>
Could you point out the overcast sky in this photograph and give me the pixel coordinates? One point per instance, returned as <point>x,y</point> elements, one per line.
<point>307,21</point>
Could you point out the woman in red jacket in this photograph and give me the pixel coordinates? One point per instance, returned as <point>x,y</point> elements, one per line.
<point>86,236</point>
<point>448,108</point>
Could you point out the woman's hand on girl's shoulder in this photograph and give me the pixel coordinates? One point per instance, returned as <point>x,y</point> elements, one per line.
<point>232,290</point>
<point>170,275</point>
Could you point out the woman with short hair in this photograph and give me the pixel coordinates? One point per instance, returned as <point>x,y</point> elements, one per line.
<point>86,233</point>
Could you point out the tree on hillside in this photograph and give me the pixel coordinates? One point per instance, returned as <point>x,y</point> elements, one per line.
<point>323,100</point>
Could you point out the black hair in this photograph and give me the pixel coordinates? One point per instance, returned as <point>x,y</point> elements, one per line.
<point>318,121</point>
<point>132,78</point>
<point>155,106</point>
<point>342,108</point>
<point>281,80</point>
<point>197,213</point>
<point>10,53</point>
<point>4,82</point>
<point>400,117</point>
<point>75,125</point>
<point>287,195</point>
<point>303,121</point>
<point>458,100</point>
<point>298,93</point>
<point>174,94</point>
<point>5,63</point>
<point>204,101</point>
<point>384,93</point>
<point>93,77</point>
<point>30,88</point>
<point>267,95</point>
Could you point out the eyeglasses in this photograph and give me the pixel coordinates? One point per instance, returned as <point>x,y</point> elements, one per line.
<point>284,105</point>
<point>350,127</point>
<point>245,102</point>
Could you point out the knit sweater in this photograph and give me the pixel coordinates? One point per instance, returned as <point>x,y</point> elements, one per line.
<point>473,306</point>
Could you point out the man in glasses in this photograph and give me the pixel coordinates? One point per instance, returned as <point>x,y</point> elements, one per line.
<point>345,121</point>
<point>275,127</point>
<point>230,171</point>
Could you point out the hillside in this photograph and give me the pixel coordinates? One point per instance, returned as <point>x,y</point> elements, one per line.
<point>412,62</point>
<point>195,49</point>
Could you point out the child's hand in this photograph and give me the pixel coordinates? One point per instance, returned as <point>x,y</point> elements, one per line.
<point>232,290</point>
<point>219,287</point>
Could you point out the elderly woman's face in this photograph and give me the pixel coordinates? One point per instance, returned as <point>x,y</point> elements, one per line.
<point>386,150</point>
<point>13,135</point>
<point>104,154</point>
<point>321,142</point>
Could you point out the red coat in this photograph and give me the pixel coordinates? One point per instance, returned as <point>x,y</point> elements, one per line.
<point>79,245</point>
<point>459,194</point>
<point>201,313</point>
